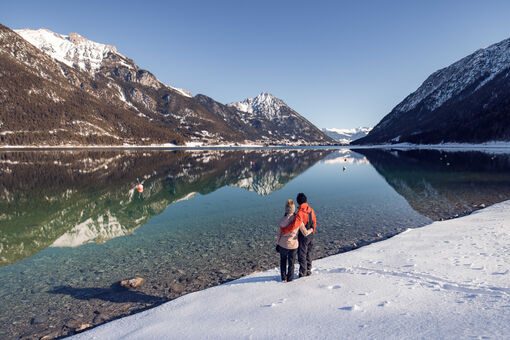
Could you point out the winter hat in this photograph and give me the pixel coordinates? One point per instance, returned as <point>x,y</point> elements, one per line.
<point>289,207</point>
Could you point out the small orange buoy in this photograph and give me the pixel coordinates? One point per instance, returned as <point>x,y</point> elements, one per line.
<point>139,187</point>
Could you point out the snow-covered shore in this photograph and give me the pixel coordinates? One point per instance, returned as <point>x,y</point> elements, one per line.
<point>493,147</point>
<point>447,280</point>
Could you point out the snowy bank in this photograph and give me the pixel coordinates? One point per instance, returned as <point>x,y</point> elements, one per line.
<point>449,279</point>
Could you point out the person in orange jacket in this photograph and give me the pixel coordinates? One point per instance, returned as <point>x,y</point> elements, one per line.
<point>306,216</point>
<point>287,244</point>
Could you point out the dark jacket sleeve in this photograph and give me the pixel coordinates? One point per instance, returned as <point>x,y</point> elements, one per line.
<point>314,220</point>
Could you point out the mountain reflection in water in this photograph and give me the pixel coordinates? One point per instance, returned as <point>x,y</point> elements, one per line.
<point>204,218</point>
<point>440,184</point>
<point>65,199</point>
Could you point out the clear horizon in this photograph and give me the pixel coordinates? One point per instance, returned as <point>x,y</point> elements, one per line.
<point>340,65</point>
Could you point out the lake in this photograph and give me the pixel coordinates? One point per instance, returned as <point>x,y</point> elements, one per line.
<point>72,224</point>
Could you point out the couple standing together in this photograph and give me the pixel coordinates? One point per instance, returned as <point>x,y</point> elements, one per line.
<point>295,235</point>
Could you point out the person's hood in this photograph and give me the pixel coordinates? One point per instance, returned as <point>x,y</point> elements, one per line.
<point>304,207</point>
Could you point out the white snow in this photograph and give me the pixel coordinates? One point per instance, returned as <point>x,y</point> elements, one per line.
<point>184,92</point>
<point>100,229</point>
<point>79,52</point>
<point>345,136</point>
<point>186,197</point>
<point>448,280</point>
<point>489,147</point>
<point>72,49</point>
<point>346,156</point>
<point>265,104</point>
<point>193,144</point>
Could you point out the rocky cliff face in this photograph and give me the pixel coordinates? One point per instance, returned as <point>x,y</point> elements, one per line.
<point>468,101</point>
<point>76,91</point>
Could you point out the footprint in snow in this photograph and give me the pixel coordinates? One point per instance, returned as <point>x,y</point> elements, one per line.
<point>334,287</point>
<point>384,303</point>
<point>350,308</point>
<point>281,301</point>
<point>340,270</point>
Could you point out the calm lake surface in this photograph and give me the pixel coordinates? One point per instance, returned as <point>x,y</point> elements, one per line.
<point>72,224</point>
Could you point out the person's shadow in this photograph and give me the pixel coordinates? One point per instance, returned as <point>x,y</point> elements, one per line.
<point>115,293</point>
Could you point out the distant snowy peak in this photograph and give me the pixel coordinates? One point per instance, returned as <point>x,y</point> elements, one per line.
<point>345,136</point>
<point>265,104</point>
<point>477,68</point>
<point>72,50</point>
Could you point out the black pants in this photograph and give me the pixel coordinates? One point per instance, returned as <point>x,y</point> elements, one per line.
<point>305,254</point>
<point>287,259</point>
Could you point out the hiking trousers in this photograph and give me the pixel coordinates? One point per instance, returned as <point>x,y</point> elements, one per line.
<point>305,254</point>
<point>287,260</point>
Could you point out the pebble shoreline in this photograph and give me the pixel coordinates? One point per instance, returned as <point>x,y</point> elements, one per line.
<point>90,307</point>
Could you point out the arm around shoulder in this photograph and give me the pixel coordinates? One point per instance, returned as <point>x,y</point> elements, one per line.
<point>305,231</point>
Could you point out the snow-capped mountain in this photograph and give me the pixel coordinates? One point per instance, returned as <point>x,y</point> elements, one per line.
<point>479,67</point>
<point>277,120</point>
<point>81,53</point>
<point>67,89</point>
<point>72,50</point>
<point>464,102</point>
<point>265,104</point>
<point>345,136</point>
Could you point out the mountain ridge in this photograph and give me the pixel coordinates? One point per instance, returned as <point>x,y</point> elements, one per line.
<point>131,105</point>
<point>467,102</point>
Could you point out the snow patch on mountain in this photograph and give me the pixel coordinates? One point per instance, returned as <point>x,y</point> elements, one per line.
<point>79,52</point>
<point>72,50</point>
<point>345,136</point>
<point>184,92</point>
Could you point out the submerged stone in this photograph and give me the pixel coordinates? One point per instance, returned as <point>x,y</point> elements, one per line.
<point>132,283</point>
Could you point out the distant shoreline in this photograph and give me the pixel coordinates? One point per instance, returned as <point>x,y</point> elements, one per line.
<point>165,147</point>
<point>171,148</point>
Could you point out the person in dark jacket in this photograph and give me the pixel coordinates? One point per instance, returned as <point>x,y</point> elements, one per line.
<point>303,216</point>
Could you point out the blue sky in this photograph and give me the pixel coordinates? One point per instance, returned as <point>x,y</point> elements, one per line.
<point>339,63</point>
